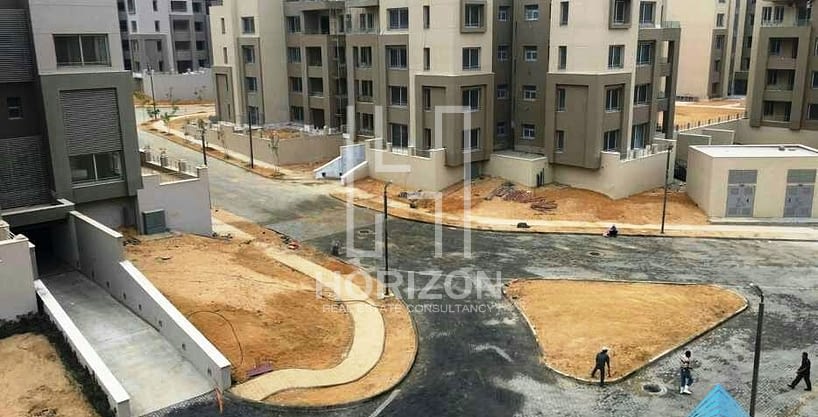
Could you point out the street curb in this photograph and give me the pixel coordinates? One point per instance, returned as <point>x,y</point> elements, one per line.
<point>649,362</point>
<point>576,233</point>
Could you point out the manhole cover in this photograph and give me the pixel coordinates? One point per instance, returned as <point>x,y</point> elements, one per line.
<point>365,232</point>
<point>594,253</point>
<point>654,389</point>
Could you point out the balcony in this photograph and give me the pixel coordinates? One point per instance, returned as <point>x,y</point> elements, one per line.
<point>779,62</point>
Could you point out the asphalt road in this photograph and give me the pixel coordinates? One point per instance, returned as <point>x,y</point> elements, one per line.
<point>477,357</point>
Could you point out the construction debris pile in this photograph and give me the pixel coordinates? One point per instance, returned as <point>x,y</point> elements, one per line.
<point>508,193</point>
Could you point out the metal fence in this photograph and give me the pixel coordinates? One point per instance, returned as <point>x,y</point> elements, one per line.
<point>161,160</point>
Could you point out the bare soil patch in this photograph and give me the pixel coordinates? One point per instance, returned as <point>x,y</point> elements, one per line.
<point>35,381</point>
<point>637,321</point>
<point>564,203</point>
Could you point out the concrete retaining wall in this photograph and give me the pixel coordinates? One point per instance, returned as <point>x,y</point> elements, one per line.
<point>351,156</point>
<point>118,398</point>
<point>413,172</point>
<point>186,202</point>
<point>187,86</point>
<point>101,258</point>
<point>617,178</point>
<point>301,150</point>
<point>16,277</point>
<point>358,173</point>
<point>520,170</point>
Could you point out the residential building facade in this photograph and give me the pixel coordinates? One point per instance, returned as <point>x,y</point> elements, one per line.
<point>565,79</point>
<point>715,46</point>
<point>165,35</point>
<point>67,132</point>
<point>784,73</point>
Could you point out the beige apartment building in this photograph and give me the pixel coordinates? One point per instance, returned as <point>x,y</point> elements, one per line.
<point>715,46</point>
<point>562,79</point>
<point>784,75</point>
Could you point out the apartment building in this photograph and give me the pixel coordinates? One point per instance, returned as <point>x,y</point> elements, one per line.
<point>715,46</point>
<point>784,71</point>
<point>67,129</point>
<point>565,79</point>
<point>165,35</point>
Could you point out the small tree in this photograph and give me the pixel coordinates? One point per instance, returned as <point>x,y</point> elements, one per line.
<point>220,138</point>
<point>168,115</point>
<point>273,144</point>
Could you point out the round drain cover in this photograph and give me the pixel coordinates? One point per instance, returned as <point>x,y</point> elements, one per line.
<point>653,388</point>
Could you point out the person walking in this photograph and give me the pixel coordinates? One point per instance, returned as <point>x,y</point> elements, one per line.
<point>684,371</point>
<point>802,373</point>
<point>602,360</point>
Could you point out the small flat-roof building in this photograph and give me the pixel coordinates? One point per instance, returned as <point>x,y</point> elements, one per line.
<point>765,181</point>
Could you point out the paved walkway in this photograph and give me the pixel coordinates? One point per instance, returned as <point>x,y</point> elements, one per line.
<point>151,370</point>
<point>368,335</point>
<point>402,210</point>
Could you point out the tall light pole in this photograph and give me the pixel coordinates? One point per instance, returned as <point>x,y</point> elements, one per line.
<point>153,92</point>
<point>385,243</point>
<point>757,356</point>
<point>204,144</point>
<point>249,123</point>
<point>667,180</point>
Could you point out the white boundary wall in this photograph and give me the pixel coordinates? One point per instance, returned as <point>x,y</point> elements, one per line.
<point>186,202</point>
<point>16,277</point>
<point>118,398</point>
<point>518,169</point>
<point>351,156</point>
<point>101,258</point>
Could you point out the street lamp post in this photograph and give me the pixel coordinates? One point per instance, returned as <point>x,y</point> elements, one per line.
<point>204,144</point>
<point>385,244</point>
<point>153,92</point>
<point>667,180</point>
<point>757,355</point>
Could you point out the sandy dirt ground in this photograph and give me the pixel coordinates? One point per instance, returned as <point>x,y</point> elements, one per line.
<point>274,310</point>
<point>637,321</point>
<point>571,204</point>
<point>703,111</point>
<point>35,383</point>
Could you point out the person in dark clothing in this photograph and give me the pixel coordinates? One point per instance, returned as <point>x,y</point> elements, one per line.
<point>612,232</point>
<point>602,360</point>
<point>802,373</point>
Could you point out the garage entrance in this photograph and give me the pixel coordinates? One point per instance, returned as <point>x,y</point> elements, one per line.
<point>800,193</point>
<point>741,190</point>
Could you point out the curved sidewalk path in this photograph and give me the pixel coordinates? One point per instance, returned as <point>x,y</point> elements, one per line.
<point>369,333</point>
<point>402,210</point>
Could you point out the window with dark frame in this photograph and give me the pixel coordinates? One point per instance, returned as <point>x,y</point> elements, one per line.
<point>471,58</point>
<point>14,107</point>
<point>559,141</point>
<point>398,18</point>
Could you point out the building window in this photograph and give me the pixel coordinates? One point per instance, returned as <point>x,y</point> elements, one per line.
<point>198,26</point>
<point>367,124</point>
<point>14,106</point>
<point>641,94</point>
<point>294,24</point>
<point>775,47</point>
<point>251,83</point>
<point>314,56</point>
<point>646,12</point>
<point>815,79</point>
<point>398,96</point>
<point>719,41</point>
<point>366,22</point>
<point>365,58</point>
<point>131,7</point>
<point>248,24</point>
<point>611,141</point>
<point>529,131</point>
<point>502,131</point>
<point>503,14</point>
<point>81,50</point>
<point>427,139</point>
<point>812,112</point>
<point>615,54</point>
<point>155,5</point>
<point>181,46</point>
<point>471,139</point>
<point>561,96</point>
<point>532,12</point>
<point>720,20</point>
<point>778,17</point>
<point>766,14</point>
<point>197,7</point>
<point>426,17</point>
<point>474,16</point>
<point>399,135</point>
<point>397,57</point>
<point>134,28</point>
<point>296,85</point>
<point>529,92</point>
<point>249,54</point>
<point>717,65</point>
<point>613,99</point>
<point>224,55</point>
<point>748,42</point>
<point>563,13</point>
<point>502,53</point>
<point>427,98</point>
<point>562,57</point>
<point>427,59</point>
<point>640,135</point>
<point>398,18</point>
<point>104,166</point>
<point>471,98</point>
<point>559,140</point>
<point>297,114</point>
<point>156,25</point>
<point>502,91</point>
<point>644,53</point>
<point>471,58</point>
<point>366,91</point>
<point>530,53</point>
<point>178,6</point>
<point>620,12</point>
<point>223,27</point>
